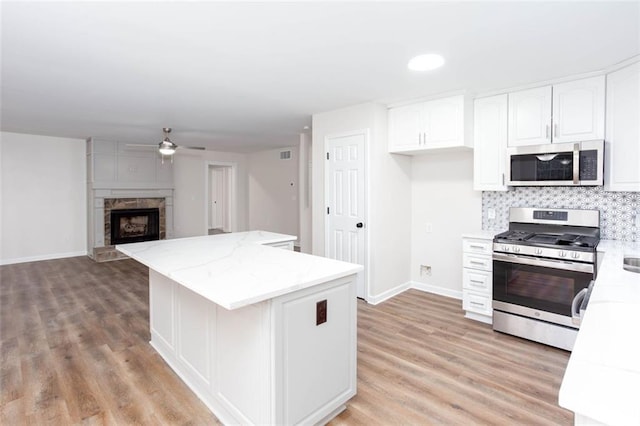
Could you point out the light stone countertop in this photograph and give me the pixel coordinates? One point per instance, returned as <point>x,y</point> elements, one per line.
<point>237,269</point>
<point>602,379</point>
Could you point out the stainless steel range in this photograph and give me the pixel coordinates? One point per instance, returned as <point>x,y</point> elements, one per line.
<point>542,268</point>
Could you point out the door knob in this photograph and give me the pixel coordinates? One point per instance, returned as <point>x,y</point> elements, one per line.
<point>359,225</point>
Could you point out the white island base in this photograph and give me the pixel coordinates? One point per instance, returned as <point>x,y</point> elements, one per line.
<point>265,363</point>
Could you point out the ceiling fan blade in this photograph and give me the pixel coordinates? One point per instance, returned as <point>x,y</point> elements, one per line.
<point>200,148</point>
<point>141,145</point>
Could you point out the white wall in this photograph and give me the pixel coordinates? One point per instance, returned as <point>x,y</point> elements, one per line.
<point>190,196</point>
<point>304,193</point>
<point>43,197</point>
<point>443,196</point>
<point>389,214</point>
<point>273,191</point>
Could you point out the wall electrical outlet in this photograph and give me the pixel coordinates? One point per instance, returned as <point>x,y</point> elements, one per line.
<point>491,213</point>
<point>425,270</point>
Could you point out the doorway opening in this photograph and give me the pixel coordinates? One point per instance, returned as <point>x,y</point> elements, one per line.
<point>220,199</point>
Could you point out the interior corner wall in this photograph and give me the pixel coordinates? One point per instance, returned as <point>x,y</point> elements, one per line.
<point>443,200</point>
<point>190,174</point>
<point>304,193</point>
<point>273,191</point>
<point>389,196</point>
<point>43,207</point>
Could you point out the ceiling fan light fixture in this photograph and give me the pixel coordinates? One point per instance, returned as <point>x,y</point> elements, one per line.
<point>166,147</point>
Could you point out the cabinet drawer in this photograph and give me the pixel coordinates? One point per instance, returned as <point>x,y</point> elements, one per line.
<point>477,261</point>
<point>479,281</point>
<point>477,246</point>
<point>476,302</point>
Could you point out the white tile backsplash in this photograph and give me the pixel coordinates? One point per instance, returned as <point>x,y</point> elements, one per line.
<point>619,211</point>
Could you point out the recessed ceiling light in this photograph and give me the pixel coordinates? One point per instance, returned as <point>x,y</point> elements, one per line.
<point>426,62</point>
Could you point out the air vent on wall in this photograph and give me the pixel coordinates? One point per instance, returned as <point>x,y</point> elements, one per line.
<point>285,155</point>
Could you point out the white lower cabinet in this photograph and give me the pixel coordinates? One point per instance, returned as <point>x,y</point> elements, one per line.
<point>285,361</point>
<point>477,280</point>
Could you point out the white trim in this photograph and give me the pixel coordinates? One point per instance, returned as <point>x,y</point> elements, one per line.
<point>604,71</point>
<point>427,288</point>
<point>365,213</point>
<point>433,97</point>
<point>622,64</point>
<point>392,292</point>
<point>50,256</point>
<point>232,208</point>
<point>435,289</point>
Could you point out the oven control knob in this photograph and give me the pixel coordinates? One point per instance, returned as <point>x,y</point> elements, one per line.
<point>538,251</point>
<point>516,249</point>
<point>505,248</point>
<point>575,255</point>
<point>562,253</point>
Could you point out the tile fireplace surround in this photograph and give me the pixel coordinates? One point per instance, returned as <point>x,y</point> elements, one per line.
<point>102,250</point>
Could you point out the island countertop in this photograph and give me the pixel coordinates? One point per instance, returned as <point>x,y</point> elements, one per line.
<point>602,379</point>
<point>237,269</point>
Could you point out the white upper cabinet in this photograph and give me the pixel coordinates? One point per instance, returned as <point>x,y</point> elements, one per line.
<point>530,116</point>
<point>490,143</point>
<point>444,122</point>
<point>406,127</point>
<point>578,110</point>
<point>566,112</point>
<point>622,141</point>
<point>438,124</point>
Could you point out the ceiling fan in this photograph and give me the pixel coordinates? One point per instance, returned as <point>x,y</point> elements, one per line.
<point>167,147</point>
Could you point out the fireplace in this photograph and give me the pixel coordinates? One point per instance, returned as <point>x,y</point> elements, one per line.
<point>135,225</point>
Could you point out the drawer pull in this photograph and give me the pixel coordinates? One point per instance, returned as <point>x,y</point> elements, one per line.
<point>477,281</point>
<point>476,246</point>
<point>477,303</point>
<point>475,262</point>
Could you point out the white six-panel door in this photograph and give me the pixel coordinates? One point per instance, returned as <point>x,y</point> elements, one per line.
<point>345,197</point>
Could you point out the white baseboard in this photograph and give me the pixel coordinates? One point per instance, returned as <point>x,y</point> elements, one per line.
<point>42,257</point>
<point>374,300</point>
<point>442,291</point>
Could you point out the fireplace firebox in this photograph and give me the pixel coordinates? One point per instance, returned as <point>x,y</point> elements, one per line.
<point>134,225</point>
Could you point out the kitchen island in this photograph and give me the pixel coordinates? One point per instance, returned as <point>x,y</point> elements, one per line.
<point>260,334</point>
<point>601,384</point>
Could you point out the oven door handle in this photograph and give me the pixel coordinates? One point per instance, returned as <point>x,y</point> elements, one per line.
<point>576,318</point>
<point>556,264</point>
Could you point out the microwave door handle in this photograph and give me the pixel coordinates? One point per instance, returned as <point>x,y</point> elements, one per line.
<point>575,306</point>
<point>576,163</point>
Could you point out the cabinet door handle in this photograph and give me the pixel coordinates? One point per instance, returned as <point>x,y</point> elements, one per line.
<point>547,132</point>
<point>419,138</point>
<point>555,130</point>
<point>503,179</point>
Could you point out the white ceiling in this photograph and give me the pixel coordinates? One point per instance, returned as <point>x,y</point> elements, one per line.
<point>240,76</point>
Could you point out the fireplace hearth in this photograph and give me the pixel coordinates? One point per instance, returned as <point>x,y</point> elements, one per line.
<point>135,225</point>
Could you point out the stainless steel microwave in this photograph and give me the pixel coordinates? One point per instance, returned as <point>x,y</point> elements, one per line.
<point>556,164</point>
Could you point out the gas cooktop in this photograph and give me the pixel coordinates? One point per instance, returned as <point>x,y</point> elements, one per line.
<point>547,239</point>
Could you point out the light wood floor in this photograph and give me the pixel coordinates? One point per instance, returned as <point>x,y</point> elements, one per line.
<point>74,349</point>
